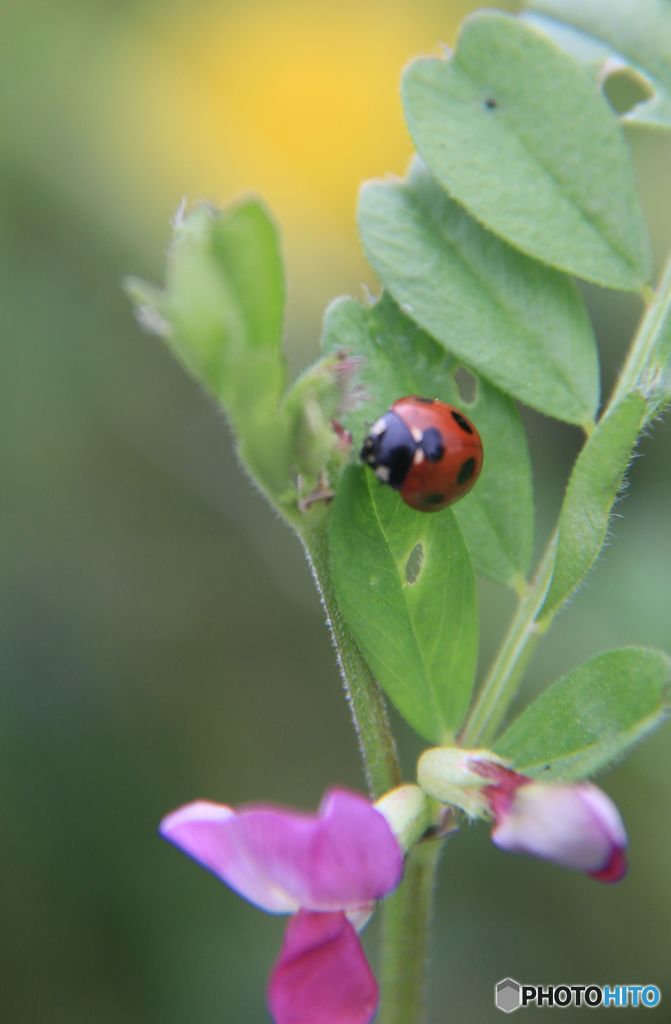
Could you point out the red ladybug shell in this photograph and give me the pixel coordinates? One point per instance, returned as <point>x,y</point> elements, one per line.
<point>435,484</point>
<point>426,449</point>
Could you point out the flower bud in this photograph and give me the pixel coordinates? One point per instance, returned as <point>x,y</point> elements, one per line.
<point>576,826</point>
<point>573,824</point>
<point>406,810</point>
<point>451,775</point>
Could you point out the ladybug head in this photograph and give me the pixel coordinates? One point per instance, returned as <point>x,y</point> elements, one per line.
<point>389,449</point>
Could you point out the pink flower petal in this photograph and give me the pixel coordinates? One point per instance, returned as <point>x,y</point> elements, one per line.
<point>207,832</point>
<point>354,857</point>
<point>341,859</point>
<point>576,826</point>
<point>322,975</point>
<point>614,870</point>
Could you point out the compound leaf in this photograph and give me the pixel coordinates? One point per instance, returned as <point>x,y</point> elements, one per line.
<point>518,132</point>
<point>516,322</point>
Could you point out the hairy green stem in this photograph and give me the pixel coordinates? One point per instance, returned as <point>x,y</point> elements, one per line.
<point>405,939</point>
<point>376,741</point>
<point>501,684</point>
<point>654,322</point>
<point>406,914</point>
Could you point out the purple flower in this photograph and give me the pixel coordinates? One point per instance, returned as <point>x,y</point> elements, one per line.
<point>575,824</point>
<point>327,869</point>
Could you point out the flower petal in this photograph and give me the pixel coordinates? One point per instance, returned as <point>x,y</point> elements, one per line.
<point>341,859</point>
<point>208,832</point>
<point>576,826</point>
<point>322,975</point>
<point>354,856</point>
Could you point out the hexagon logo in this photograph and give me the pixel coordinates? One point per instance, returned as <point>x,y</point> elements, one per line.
<point>508,995</point>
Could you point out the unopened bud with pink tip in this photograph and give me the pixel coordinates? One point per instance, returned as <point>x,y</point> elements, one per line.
<point>572,824</point>
<point>575,825</point>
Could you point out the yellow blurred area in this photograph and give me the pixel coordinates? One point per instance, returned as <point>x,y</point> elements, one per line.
<point>297,101</point>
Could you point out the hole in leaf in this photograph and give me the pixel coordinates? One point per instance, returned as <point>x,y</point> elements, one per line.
<point>625,89</point>
<point>467,384</point>
<point>413,566</point>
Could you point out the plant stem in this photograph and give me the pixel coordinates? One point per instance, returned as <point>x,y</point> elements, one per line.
<point>500,686</point>
<point>405,939</point>
<point>655,320</point>
<point>376,741</point>
<point>406,914</point>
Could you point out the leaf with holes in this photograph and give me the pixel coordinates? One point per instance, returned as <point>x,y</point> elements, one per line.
<point>405,585</point>
<point>595,480</point>
<point>591,717</point>
<point>398,358</point>
<point>519,324</point>
<point>614,37</point>
<point>520,134</point>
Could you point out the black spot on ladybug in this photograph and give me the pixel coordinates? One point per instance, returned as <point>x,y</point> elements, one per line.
<point>462,422</point>
<point>435,499</point>
<point>491,103</point>
<point>466,472</point>
<point>432,444</point>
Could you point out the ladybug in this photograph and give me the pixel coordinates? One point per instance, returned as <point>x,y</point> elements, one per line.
<point>427,450</point>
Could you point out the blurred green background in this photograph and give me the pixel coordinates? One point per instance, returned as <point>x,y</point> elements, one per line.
<point>160,636</point>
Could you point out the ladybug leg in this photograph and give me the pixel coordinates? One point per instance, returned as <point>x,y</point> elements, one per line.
<point>322,492</point>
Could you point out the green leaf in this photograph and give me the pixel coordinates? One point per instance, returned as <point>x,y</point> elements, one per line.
<point>395,357</point>
<point>595,480</point>
<point>224,300</point>
<point>221,313</point>
<point>497,517</point>
<point>614,35</point>
<point>651,372</point>
<point>658,382</point>
<point>308,410</point>
<point>398,358</point>
<point>590,717</point>
<point>404,583</point>
<point>520,134</point>
<point>521,325</point>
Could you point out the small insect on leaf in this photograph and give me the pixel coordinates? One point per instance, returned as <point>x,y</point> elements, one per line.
<point>425,449</point>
